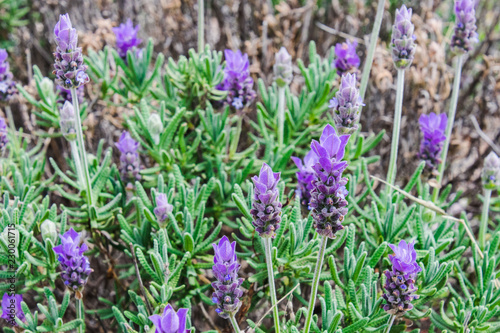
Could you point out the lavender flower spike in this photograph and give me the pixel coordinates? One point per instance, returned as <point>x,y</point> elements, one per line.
<point>328,202</point>
<point>347,60</point>
<point>465,34</point>
<point>403,40</point>
<point>346,105</point>
<point>126,37</point>
<point>129,158</point>
<point>11,308</point>
<point>491,172</point>
<point>170,321</point>
<point>162,207</point>
<point>69,67</point>
<point>400,284</point>
<point>75,266</point>
<point>433,128</point>
<point>227,287</point>
<point>266,206</point>
<point>283,70</point>
<point>305,175</point>
<point>7,85</point>
<point>3,135</point>
<point>237,80</point>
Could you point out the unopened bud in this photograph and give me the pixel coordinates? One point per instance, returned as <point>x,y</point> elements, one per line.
<point>68,121</point>
<point>49,231</point>
<point>155,127</point>
<point>490,175</point>
<point>283,71</point>
<point>47,86</point>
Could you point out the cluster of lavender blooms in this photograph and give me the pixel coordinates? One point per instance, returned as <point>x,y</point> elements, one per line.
<point>328,201</point>
<point>65,94</point>
<point>129,158</point>
<point>69,68</point>
<point>464,35</point>
<point>11,308</point>
<point>305,175</point>
<point>266,206</point>
<point>490,175</point>
<point>433,128</point>
<point>346,105</point>
<point>162,207</point>
<point>400,284</point>
<point>403,40</point>
<point>347,60</point>
<point>7,83</point>
<point>237,80</point>
<point>227,286</point>
<point>126,38</point>
<point>283,70</point>
<point>75,266</point>
<point>3,135</point>
<point>170,321</point>
<point>67,121</point>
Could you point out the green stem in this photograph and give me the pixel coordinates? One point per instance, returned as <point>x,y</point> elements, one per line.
<point>80,314</point>
<point>10,118</point>
<point>371,50</point>
<point>449,124</point>
<point>314,290</point>
<point>483,227</point>
<point>17,140</point>
<point>272,288</point>
<point>234,322</point>
<point>391,173</point>
<point>281,116</point>
<point>76,158</point>
<point>389,325</point>
<point>201,26</point>
<point>236,137</point>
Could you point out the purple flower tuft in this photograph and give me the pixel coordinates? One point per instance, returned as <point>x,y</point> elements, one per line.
<point>305,175</point>
<point>68,68</point>
<point>347,60</point>
<point>126,37</point>
<point>7,84</point>
<point>11,308</point>
<point>129,159</point>
<point>465,34</point>
<point>75,266</point>
<point>237,80</point>
<point>162,207</point>
<point>346,105</point>
<point>433,128</point>
<point>328,202</point>
<point>403,39</point>
<point>227,287</point>
<point>266,206</point>
<point>404,259</point>
<point>490,175</point>
<point>170,321</point>
<point>3,135</point>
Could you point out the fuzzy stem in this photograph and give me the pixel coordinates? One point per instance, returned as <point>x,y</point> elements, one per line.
<point>391,173</point>
<point>281,116</point>
<point>80,314</point>
<point>371,50</point>
<point>76,158</point>
<point>83,155</point>
<point>389,325</point>
<point>201,26</point>
<point>449,124</point>
<point>272,288</point>
<point>483,227</point>
<point>314,290</point>
<point>235,323</point>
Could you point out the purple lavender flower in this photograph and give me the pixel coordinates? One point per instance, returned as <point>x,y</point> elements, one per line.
<point>227,287</point>
<point>65,94</point>
<point>170,321</point>
<point>328,202</point>
<point>465,34</point>
<point>490,174</point>
<point>126,37</point>
<point>67,121</point>
<point>400,284</point>
<point>266,206</point>
<point>305,175</point>
<point>346,105</point>
<point>69,67</point>
<point>347,59</point>
<point>7,84</point>
<point>129,158</point>
<point>75,266</point>
<point>237,80</point>
<point>403,40</point>
<point>3,135</point>
<point>283,70</point>
<point>11,308</point>
<point>162,207</point>
<point>433,127</point>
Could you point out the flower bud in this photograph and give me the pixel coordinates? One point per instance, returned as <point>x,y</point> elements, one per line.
<point>155,127</point>
<point>49,231</point>
<point>490,175</point>
<point>428,215</point>
<point>67,121</point>
<point>283,71</point>
<point>47,86</point>
<point>403,39</point>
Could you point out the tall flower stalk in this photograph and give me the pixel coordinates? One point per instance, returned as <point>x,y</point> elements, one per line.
<point>201,25</point>
<point>490,177</point>
<point>283,76</point>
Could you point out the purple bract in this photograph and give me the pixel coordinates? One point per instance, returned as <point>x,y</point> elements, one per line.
<point>404,259</point>
<point>305,175</point>
<point>3,134</point>
<point>346,105</point>
<point>347,60</point>
<point>162,207</point>
<point>7,84</point>
<point>465,34</point>
<point>170,321</point>
<point>403,39</point>
<point>433,128</point>
<point>11,308</point>
<point>129,158</point>
<point>126,37</point>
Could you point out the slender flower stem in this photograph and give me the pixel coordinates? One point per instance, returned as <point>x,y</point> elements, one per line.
<point>281,115</point>
<point>371,50</point>
<point>389,325</point>
<point>235,323</point>
<point>484,219</point>
<point>314,290</point>
<point>391,173</point>
<point>80,314</point>
<point>201,25</point>
<point>78,164</point>
<point>272,288</point>
<point>449,125</point>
